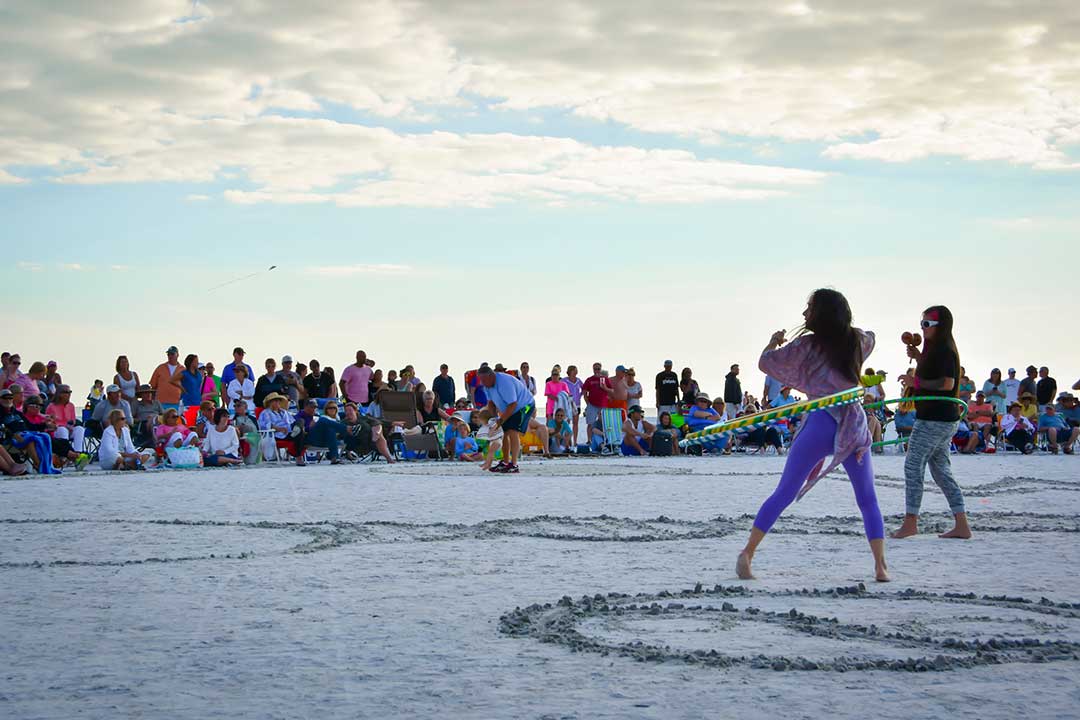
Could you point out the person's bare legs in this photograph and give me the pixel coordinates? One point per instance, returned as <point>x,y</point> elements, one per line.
<point>961,530</point>
<point>513,446</point>
<point>575,436</point>
<point>881,568</point>
<point>746,558</point>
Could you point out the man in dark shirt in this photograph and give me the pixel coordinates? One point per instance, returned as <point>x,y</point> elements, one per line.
<point>317,383</point>
<point>733,396</point>
<point>1045,389</point>
<point>667,391</point>
<point>444,388</point>
<point>1028,384</point>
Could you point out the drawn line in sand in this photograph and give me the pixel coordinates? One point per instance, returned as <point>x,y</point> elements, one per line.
<point>561,624</point>
<point>330,534</point>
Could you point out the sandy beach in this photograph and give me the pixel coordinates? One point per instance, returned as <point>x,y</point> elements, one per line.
<point>432,590</point>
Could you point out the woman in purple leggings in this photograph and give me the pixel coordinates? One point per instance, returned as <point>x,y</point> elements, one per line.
<point>821,363</point>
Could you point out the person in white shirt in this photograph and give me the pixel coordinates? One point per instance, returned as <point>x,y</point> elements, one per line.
<point>1012,387</point>
<point>1018,430</point>
<point>221,446</point>
<point>116,451</point>
<point>241,388</point>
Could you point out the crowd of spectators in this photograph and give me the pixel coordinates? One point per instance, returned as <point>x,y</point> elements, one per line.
<point>237,416</point>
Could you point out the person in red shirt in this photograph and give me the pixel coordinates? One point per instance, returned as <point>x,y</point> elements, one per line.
<point>595,390</point>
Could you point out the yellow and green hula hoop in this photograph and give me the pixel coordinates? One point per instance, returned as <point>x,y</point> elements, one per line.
<point>746,423</point>
<point>895,401</point>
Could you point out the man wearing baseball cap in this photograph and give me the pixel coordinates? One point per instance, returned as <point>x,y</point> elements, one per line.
<point>667,390</point>
<point>228,373</point>
<point>166,381</point>
<point>1012,388</point>
<point>292,383</point>
<point>112,401</point>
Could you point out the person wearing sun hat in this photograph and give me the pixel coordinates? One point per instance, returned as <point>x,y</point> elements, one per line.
<point>275,416</point>
<point>146,411</point>
<point>1029,407</point>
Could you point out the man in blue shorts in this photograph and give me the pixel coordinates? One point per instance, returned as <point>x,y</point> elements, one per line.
<point>510,399</point>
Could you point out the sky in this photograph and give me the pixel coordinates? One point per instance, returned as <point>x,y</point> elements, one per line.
<point>556,182</point>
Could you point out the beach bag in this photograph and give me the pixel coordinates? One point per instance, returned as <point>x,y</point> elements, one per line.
<point>186,456</point>
<point>662,444</point>
<point>268,447</point>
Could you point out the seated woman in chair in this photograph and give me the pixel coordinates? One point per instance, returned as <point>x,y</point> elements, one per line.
<point>275,417</point>
<point>701,414</point>
<point>1018,430</point>
<point>35,445</point>
<point>174,433</point>
<point>62,412</point>
<point>362,427</point>
<point>117,452</point>
<point>61,447</point>
<point>429,411</point>
<point>665,424</point>
<point>221,444</point>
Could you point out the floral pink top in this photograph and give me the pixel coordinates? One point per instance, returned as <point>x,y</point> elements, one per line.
<point>801,365</point>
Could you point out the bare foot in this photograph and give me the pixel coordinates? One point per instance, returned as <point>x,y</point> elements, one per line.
<point>957,533</point>
<point>742,567</point>
<point>909,527</point>
<point>881,573</point>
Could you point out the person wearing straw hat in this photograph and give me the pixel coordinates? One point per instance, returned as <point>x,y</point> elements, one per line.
<point>275,416</point>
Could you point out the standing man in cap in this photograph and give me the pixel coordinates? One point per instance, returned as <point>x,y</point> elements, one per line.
<point>1029,384</point>
<point>356,380</point>
<point>511,401</point>
<point>228,373</point>
<point>1011,387</point>
<point>667,391</point>
<point>166,381</point>
<point>733,396</point>
<point>443,387</point>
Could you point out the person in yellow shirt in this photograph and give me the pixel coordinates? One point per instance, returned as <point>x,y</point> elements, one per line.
<point>1029,408</point>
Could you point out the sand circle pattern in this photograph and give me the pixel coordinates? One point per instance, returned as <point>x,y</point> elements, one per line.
<point>931,632</point>
<point>73,542</point>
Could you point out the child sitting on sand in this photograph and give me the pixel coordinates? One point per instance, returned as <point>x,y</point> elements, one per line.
<point>465,446</point>
<point>490,431</point>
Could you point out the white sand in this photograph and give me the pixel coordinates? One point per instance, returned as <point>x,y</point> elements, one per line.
<point>377,592</point>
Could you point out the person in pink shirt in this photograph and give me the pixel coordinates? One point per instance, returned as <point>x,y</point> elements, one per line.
<point>355,380</point>
<point>552,388</point>
<point>62,412</point>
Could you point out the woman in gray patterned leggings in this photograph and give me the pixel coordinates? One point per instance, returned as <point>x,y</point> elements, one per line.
<point>937,374</point>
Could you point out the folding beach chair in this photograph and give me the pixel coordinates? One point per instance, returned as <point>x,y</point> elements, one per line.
<point>399,407</point>
<point>612,421</point>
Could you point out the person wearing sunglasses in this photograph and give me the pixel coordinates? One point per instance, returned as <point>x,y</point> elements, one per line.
<point>937,373</point>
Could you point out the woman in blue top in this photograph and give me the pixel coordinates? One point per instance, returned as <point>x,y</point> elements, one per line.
<point>191,382</point>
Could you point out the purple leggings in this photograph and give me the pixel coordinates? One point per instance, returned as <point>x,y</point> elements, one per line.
<point>813,443</point>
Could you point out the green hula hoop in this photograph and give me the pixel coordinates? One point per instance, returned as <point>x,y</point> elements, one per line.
<point>752,422</point>
<point>895,401</point>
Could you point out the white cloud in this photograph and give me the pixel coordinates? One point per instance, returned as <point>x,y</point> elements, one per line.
<point>122,92</point>
<point>7,178</point>
<point>29,266</point>
<point>360,269</point>
<point>197,198</point>
<point>74,267</point>
<point>120,268</point>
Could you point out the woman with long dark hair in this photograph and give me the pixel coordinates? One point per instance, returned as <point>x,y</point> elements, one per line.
<point>937,373</point>
<point>823,362</point>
